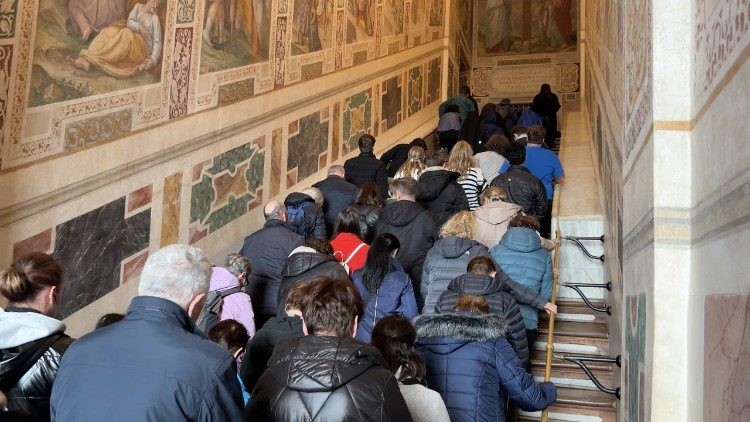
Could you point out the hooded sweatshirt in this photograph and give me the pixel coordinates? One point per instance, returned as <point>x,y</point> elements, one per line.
<point>338,377</point>
<point>521,257</point>
<point>440,192</point>
<point>236,306</point>
<point>304,264</point>
<point>446,260</point>
<point>27,335</point>
<point>415,229</point>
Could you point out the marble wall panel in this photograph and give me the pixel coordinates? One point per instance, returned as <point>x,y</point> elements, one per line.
<point>414,99</point>
<point>634,359</point>
<point>277,140</point>
<point>6,58</point>
<point>41,242</point>
<point>434,79</point>
<point>227,189</point>
<point>336,132</point>
<point>308,144</point>
<point>726,357</point>
<point>391,103</point>
<point>357,118</point>
<point>236,91</point>
<point>92,247</point>
<point>170,218</point>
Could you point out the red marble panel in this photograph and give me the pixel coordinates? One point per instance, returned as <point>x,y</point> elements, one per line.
<point>41,242</point>
<point>132,268</point>
<point>140,198</point>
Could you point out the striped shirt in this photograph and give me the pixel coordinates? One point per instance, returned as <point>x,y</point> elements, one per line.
<point>472,185</point>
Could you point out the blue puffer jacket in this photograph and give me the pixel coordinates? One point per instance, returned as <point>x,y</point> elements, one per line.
<point>474,369</point>
<point>395,297</point>
<point>522,258</point>
<point>446,260</point>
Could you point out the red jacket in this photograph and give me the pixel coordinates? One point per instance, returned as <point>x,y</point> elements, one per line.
<point>344,245</point>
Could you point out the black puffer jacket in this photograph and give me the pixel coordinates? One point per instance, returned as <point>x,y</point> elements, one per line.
<point>304,264</point>
<point>260,347</point>
<point>314,220</point>
<point>415,229</point>
<point>440,192</point>
<point>368,218</point>
<point>327,379</point>
<point>30,340</point>
<point>501,303</point>
<point>366,168</point>
<point>337,195</point>
<point>395,157</point>
<point>524,189</point>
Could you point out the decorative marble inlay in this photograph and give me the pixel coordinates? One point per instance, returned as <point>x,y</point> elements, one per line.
<point>277,139</point>
<point>634,358</point>
<point>6,57</point>
<point>170,216</point>
<point>433,80</point>
<point>726,357</point>
<point>357,118</point>
<point>8,18</point>
<point>390,109</point>
<point>414,100</point>
<point>306,145</point>
<point>185,11</point>
<point>227,188</point>
<point>336,141</point>
<point>179,85</point>
<point>41,242</point>
<point>92,247</point>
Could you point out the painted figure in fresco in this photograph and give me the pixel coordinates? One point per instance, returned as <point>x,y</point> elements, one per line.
<point>497,26</point>
<point>226,17</point>
<point>397,11</point>
<point>555,23</point>
<point>125,49</point>
<point>89,16</point>
<point>564,21</point>
<point>364,13</point>
<point>306,14</point>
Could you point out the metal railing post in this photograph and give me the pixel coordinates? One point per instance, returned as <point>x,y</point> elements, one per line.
<point>551,327</point>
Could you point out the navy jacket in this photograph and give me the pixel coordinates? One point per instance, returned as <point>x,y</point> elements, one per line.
<point>395,297</point>
<point>472,366</point>
<point>366,168</point>
<point>267,249</point>
<point>337,195</point>
<point>152,366</point>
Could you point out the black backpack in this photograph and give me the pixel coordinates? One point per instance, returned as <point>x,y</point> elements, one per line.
<point>212,308</point>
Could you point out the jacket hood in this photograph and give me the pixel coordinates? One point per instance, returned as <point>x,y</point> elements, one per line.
<point>433,182</point>
<point>296,198</point>
<point>301,262</point>
<point>278,328</point>
<point>453,246</point>
<point>400,213</point>
<point>521,239</point>
<point>18,328</point>
<point>475,284</point>
<point>496,213</point>
<point>221,279</point>
<point>460,327</point>
<point>318,363</point>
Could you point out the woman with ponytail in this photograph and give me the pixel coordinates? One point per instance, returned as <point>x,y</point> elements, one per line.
<point>383,285</point>
<point>394,336</point>
<point>31,341</point>
<point>414,165</point>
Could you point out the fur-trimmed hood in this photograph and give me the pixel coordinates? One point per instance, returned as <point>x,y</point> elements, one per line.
<point>458,327</point>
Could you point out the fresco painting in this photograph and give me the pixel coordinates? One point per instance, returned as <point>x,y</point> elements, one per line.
<point>235,33</point>
<point>548,26</point>
<point>89,47</point>
<point>393,17</point>
<point>312,26</point>
<point>360,20</point>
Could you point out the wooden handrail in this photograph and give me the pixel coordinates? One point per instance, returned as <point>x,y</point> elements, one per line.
<point>551,329</point>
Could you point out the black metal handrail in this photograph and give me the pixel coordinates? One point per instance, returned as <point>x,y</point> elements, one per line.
<point>581,360</point>
<point>577,240</point>
<point>586,300</point>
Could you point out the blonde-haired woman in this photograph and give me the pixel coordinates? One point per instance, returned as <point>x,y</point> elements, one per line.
<point>449,256</point>
<point>414,165</point>
<point>461,160</point>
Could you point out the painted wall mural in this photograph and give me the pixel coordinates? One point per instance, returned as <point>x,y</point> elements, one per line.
<point>226,188</point>
<point>73,65</point>
<point>90,47</point>
<point>99,250</point>
<point>634,359</point>
<point>525,27</point>
<point>235,33</point>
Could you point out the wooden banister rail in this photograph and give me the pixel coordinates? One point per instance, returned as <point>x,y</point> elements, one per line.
<point>551,329</point>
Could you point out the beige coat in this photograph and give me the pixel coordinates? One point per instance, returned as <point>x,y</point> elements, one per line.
<point>493,219</point>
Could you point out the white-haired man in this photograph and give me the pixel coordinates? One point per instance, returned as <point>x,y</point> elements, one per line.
<point>153,365</point>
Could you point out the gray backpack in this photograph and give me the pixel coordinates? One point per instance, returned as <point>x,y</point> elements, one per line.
<point>212,308</point>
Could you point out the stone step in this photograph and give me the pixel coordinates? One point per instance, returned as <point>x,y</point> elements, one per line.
<point>574,344</point>
<point>580,405</point>
<point>569,374</point>
<point>575,310</point>
<point>577,329</point>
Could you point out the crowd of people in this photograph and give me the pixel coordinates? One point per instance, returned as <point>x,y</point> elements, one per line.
<point>401,288</point>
